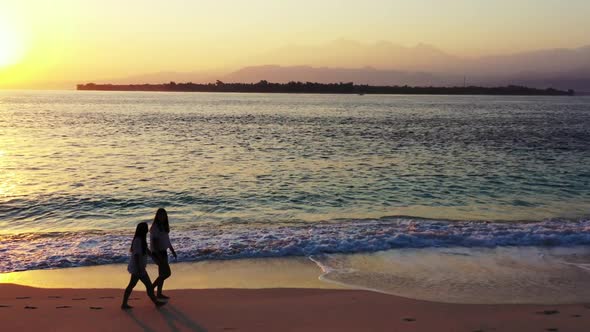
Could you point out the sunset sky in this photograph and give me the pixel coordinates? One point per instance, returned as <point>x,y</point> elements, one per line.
<point>79,40</point>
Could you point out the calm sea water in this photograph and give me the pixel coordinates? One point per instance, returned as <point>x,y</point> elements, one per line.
<point>259,175</point>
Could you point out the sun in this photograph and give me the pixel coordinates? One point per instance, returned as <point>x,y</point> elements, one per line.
<point>11,45</point>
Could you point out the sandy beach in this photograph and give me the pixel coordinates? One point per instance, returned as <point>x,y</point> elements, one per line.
<point>274,294</point>
<point>25,308</point>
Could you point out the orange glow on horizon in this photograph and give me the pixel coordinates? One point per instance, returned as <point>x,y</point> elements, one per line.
<point>69,42</point>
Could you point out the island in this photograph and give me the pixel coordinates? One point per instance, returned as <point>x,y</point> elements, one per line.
<point>326,88</point>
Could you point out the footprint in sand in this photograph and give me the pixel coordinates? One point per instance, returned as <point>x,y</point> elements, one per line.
<point>23,297</point>
<point>409,319</point>
<point>96,308</point>
<point>63,307</point>
<point>30,307</point>
<point>547,312</point>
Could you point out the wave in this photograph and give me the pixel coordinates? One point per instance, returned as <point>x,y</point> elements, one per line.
<point>542,275</point>
<point>206,241</point>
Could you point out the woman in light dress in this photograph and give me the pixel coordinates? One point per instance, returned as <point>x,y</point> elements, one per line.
<point>159,244</point>
<point>137,264</point>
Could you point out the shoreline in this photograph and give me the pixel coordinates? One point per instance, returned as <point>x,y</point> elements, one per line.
<point>294,272</point>
<point>285,309</point>
<point>511,275</point>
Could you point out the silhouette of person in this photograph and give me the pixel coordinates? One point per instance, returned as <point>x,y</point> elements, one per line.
<point>137,264</point>
<point>160,243</point>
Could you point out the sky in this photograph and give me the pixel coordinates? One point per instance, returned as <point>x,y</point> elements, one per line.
<point>81,40</point>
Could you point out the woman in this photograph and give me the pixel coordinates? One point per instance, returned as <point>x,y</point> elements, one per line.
<point>160,243</point>
<point>137,264</point>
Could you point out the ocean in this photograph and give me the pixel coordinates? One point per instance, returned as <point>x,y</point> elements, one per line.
<point>277,175</point>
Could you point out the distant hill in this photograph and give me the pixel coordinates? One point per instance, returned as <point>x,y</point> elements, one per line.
<point>365,75</point>
<point>425,58</point>
<point>351,54</point>
<point>420,65</point>
<point>385,63</point>
<point>578,80</point>
<point>423,65</point>
<point>543,62</point>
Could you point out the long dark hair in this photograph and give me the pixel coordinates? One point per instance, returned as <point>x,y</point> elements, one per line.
<point>161,221</point>
<point>141,232</point>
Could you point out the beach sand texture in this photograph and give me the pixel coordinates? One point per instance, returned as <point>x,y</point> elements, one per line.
<point>25,308</point>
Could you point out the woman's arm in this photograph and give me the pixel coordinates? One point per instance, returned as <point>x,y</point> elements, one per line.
<point>172,251</point>
<point>168,243</point>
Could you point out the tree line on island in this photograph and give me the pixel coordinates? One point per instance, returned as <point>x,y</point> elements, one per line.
<point>332,88</point>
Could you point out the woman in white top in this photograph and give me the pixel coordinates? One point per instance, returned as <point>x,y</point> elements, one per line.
<point>137,264</point>
<point>160,243</point>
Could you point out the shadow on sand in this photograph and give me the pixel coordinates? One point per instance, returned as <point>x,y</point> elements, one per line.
<point>137,321</point>
<point>174,319</point>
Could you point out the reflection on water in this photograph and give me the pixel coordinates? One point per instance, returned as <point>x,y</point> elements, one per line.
<point>88,160</point>
<point>257,175</point>
<point>468,275</point>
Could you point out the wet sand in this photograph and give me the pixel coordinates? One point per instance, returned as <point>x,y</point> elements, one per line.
<point>292,272</point>
<point>25,308</point>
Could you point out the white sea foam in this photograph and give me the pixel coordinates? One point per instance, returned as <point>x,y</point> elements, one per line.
<point>230,241</point>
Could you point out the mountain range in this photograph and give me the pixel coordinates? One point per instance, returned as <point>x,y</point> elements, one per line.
<point>384,63</point>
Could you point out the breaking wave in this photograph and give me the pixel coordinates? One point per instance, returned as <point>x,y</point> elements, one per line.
<point>210,241</point>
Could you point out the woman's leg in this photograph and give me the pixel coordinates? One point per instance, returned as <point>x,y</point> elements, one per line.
<point>164,272</point>
<point>160,261</point>
<point>145,279</point>
<point>128,290</point>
